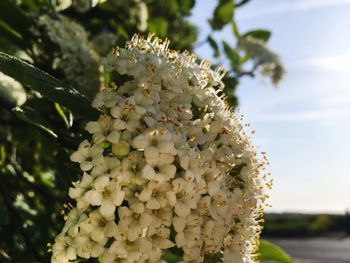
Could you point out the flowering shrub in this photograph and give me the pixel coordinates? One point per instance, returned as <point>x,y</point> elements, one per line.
<point>168,165</point>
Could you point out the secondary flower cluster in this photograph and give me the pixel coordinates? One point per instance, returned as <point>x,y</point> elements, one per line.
<point>75,56</point>
<point>168,166</point>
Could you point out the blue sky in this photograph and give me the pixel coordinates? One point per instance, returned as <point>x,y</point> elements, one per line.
<point>303,124</point>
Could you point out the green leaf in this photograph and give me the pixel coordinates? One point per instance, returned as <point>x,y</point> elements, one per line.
<point>186,6</point>
<point>214,46</point>
<point>159,26</point>
<point>232,55</point>
<point>12,15</point>
<point>269,251</point>
<point>67,121</point>
<point>223,14</point>
<point>47,85</point>
<point>235,30</point>
<point>230,90</point>
<point>32,117</point>
<point>261,34</point>
<point>10,34</point>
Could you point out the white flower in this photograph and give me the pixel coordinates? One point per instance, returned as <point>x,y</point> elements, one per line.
<point>133,224</point>
<point>106,98</point>
<point>87,155</point>
<point>98,226</point>
<point>178,169</point>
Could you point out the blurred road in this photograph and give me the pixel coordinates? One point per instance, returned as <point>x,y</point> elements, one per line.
<point>316,250</point>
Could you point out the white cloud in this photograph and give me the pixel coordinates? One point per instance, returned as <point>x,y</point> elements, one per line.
<point>337,63</point>
<point>336,101</point>
<point>291,6</point>
<point>314,115</point>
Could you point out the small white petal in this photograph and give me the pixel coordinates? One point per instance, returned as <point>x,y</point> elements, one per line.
<point>101,182</point>
<point>93,127</point>
<point>153,204</point>
<point>116,112</point>
<point>93,197</point>
<point>113,137</point>
<point>182,209</point>
<point>97,234</point>
<point>118,198</point>
<point>166,147</point>
<point>119,125</point>
<point>140,142</point>
<point>179,223</point>
<point>86,166</point>
<point>213,188</point>
<point>74,193</point>
<point>145,220</point>
<point>107,208</point>
<point>77,157</point>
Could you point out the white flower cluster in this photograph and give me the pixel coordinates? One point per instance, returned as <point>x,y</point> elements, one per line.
<point>75,55</point>
<point>168,166</point>
<point>81,6</point>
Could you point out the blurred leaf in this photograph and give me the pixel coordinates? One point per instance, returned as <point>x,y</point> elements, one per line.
<point>11,35</point>
<point>230,90</point>
<point>214,46</point>
<point>186,6</point>
<point>261,34</point>
<point>14,17</point>
<point>47,85</point>
<point>223,14</point>
<point>32,117</point>
<point>159,26</point>
<point>2,154</point>
<point>232,55</point>
<point>269,251</point>
<point>235,29</point>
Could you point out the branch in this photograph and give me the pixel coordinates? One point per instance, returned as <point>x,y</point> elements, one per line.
<point>241,3</point>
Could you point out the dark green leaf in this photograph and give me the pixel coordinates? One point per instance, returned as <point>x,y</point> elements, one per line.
<point>232,55</point>
<point>261,34</point>
<point>47,85</point>
<point>269,251</point>
<point>186,6</point>
<point>32,117</point>
<point>214,46</point>
<point>11,14</point>
<point>11,35</point>
<point>230,90</point>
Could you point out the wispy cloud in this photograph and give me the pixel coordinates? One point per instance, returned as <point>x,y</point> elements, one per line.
<point>291,6</point>
<point>336,101</point>
<point>337,63</point>
<point>314,115</point>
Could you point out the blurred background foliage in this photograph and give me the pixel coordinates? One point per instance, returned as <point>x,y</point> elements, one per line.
<point>41,123</point>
